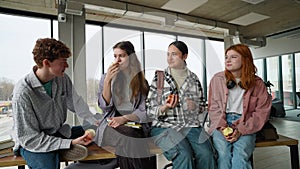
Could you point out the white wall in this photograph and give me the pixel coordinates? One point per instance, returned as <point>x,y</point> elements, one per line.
<point>277,47</point>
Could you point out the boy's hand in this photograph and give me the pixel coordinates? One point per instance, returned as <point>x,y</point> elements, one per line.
<point>90,134</point>
<point>82,140</point>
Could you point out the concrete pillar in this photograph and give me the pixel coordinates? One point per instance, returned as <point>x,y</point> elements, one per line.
<point>72,32</point>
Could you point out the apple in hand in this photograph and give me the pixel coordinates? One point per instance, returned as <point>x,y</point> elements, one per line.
<point>90,134</point>
<point>227,131</point>
<point>170,98</point>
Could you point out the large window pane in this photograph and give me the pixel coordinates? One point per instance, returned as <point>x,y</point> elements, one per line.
<point>260,67</point>
<point>93,64</point>
<point>55,29</point>
<point>17,44</point>
<point>18,37</point>
<point>297,71</point>
<point>272,75</point>
<point>287,81</point>
<point>115,35</point>
<point>215,58</point>
<point>156,47</point>
<point>195,57</point>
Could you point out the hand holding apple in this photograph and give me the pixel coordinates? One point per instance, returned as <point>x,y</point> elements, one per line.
<point>227,131</point>
<point>90,134</point>
<point>172,100</point>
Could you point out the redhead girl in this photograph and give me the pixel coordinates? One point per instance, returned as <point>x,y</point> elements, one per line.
<point>237,99</point>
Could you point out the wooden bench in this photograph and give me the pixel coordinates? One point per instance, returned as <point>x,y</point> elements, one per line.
<point>97,153</point>
<point>284,141</point>
<point>94,153</point>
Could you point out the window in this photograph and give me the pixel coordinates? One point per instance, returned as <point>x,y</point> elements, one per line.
<point>287,81</point>
<point>215,58</point>
<point>195,57</point>
<point>260,68</point>
<point>156,46</point>
<point>297,71</point>
<point>93,62</point>
<point>55,29</point>
<point>115,35</point>
<point>272,76</point>
<point>16,57</point>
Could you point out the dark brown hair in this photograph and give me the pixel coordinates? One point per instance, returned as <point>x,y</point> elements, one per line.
<point>50,49</point>
<point>181,46</point>
<point>138,82</point>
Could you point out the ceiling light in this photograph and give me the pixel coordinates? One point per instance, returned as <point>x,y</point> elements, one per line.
<point>298,1</point>
<point>253,1</point>
<point>133,14</point>
<point>293,34</point>
<point>185,6</point>
<point>74,8</point>
<point>104,9</point>
<point>202,26</point>
<point>236,40</point>
<point>169,21</point>
<point>249,19</point>
<point>153,17</point>
<point>185,23</point>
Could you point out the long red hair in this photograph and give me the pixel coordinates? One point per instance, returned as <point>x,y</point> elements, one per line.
<point>248,68</point>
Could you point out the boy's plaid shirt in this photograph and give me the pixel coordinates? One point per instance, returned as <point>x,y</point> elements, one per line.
<point>179,116</point>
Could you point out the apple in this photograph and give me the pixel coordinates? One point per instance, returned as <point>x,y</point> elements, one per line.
<point>227,131</point>
<point>90,134</point>
<point>170,98</point>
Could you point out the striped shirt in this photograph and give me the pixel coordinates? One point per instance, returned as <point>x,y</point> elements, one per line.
<point>179,116</point>
<point>37,116</point>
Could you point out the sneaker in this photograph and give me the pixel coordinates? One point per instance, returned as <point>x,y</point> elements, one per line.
<point>75,153</point>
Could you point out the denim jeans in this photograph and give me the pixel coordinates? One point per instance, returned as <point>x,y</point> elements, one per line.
<point>187,149</point>
<point>47,160</point>
<point>234,155</point>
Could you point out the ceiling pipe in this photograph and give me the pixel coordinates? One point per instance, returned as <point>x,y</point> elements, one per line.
<point>127,6</point>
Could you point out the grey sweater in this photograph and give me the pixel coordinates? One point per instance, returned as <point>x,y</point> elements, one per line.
<point>37,116</point>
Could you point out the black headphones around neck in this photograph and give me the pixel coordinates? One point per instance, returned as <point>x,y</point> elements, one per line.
<point>230,84</point>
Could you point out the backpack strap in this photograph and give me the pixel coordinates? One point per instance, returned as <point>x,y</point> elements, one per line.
<point>159,84</point>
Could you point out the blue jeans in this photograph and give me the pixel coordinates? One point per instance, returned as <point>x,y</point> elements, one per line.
<point>187,149</point>
<point>234,155</point>
<point>47,160</point>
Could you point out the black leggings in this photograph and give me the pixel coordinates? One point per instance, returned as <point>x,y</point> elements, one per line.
<point>131,147</point>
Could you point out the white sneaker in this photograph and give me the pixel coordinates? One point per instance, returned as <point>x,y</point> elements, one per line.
<point>75,153</point>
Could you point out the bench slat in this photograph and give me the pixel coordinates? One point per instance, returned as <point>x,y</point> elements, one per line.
<point>94,153</point>
<point>12,161</point>
<point>97,153</point>
<point>281,141</point>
